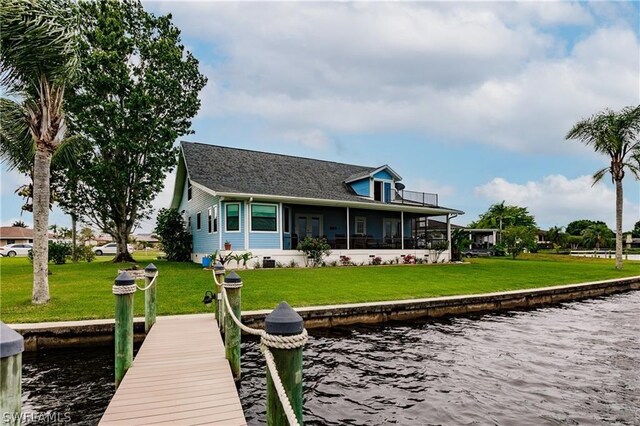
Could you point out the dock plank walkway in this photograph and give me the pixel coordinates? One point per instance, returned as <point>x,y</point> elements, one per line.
<point>179,377</point>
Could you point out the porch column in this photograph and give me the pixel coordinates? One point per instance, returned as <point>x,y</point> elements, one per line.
<point>348,233</point>
<point>449,233</point>
<point>402,230</point>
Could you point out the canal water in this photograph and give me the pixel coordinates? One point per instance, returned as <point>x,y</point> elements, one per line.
<point>577,363</point>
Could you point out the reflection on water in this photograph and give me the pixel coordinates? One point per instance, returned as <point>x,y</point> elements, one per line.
<point>574,364</point>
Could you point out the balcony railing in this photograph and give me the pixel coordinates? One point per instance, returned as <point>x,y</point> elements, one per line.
<point>416,198</point>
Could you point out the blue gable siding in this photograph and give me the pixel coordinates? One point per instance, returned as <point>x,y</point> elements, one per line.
<point>383,174</point>
<point>361,187</point>
<point>203,241</point>
<point>235,238</point>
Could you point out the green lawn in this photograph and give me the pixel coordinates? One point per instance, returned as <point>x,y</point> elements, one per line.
<point>83,291</point>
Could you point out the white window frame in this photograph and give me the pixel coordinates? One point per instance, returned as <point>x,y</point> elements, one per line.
<point>226,222</point>
<point>373,187</point>
<point>251,218</point>
<point>210,220</point>
<point>216,223</point>
<point>199,222</point>
<point>363,221</point>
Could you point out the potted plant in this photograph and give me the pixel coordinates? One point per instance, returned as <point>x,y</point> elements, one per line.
<point>227,245</point>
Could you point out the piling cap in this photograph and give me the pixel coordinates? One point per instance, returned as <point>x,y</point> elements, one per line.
<point>150,268</point>
<point>11,342</point>
<point>283,320</point>
<point>124,278</point>
<point>218,267</point>
<point>233,278</point>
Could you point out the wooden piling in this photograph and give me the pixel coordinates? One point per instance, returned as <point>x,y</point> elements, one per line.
<point>123,289</point>
<point>150,297</point>
<point>218,270</point>
<point>11,347</point>
<point>284,321</point>
<point>232,286</point>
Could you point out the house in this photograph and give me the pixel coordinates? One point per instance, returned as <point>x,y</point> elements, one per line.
<point>15,235</point>
<point>483,238</point>
<point>267,203</point>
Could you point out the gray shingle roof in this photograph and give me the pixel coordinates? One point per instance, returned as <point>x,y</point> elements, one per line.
<point>233,170</point>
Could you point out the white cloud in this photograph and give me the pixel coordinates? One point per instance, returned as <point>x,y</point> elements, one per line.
<point>487,73</point>
<point>314,138</point>
<point>556,200</point>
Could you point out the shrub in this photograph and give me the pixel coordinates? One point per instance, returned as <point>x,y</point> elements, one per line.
<point>333,263</point>
<point>315,249</point>
<point>376,260</point>
<point>293,264</point>
<point>85,253</point>
<point>419,260</point>
<point>409,260</point>
<point>176,239</point>
<point>58,252</point>
<point>345,260</point>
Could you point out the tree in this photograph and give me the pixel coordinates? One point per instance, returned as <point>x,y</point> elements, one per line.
<point>635,232</point>
<point>556,237</point>
<point>518,238</point>
<point>174,235</point>
<point>616,136</point>
<point>19,224</point>
<point>86,234</point>
<point>136,94</point>
<point>499,216</point>
<point>459,242</point>
<point>577,226</point>
<point>39,57</point>
<point>597,236</point>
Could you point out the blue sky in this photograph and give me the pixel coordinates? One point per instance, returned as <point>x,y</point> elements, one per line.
<point>467,99</point>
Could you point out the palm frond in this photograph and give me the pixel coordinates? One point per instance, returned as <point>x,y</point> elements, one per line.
<point>17,147</point>
<point>37,38</point>
<point>597,176</point>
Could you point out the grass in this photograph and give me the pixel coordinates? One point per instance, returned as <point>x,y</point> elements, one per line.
<point>83,290</point>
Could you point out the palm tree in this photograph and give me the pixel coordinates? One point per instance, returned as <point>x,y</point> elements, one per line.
<point>596,236</point>
<point>616,136</point>
<point>38,55</point>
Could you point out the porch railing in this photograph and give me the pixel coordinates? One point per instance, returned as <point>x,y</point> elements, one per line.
<point>418,198</point>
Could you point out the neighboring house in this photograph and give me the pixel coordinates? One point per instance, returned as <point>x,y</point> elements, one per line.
<point>147,240</point>
<point>15,235</point>
<point>483,238</point>
<point>630,242</point>
<point>267,203</point>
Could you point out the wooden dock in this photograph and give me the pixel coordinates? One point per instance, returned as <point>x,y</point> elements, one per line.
<point>179,377</point>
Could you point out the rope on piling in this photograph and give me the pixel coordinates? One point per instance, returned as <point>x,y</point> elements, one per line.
<point>272,341</point>
<point>123,289</point>
<point>150,284</point>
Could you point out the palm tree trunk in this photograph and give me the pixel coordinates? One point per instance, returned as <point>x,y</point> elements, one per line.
<point>619,199</point>
<point>41,199</point>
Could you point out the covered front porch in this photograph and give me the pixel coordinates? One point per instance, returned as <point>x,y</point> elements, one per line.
<point>346,228</point>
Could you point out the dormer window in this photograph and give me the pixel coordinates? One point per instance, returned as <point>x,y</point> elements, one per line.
<point>377,190</point>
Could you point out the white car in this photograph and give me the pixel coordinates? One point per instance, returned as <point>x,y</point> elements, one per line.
<point>11,250</point>
<point>110,248</point>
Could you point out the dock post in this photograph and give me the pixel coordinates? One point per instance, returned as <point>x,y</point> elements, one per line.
<point>232,286</point>
<point>124,289</point>
<point>218,270</point>
<point>149,297</point>
<point>284,321</point>
<point>11,347</point>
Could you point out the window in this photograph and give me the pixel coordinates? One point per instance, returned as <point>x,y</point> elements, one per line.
<point>209,220</point>
<point>263,217</point>
<point>189,223</point>
<point>198,221</point>
<point>361,225</point>
<point>215,219</point>
<point>189,191</point>
<point>233,217</point>
<point>11,241</point>
<point>287,220</point>
<point>377,190</point>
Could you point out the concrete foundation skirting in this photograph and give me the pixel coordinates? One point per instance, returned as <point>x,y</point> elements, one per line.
<point>100,332</point>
